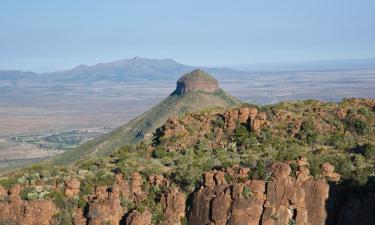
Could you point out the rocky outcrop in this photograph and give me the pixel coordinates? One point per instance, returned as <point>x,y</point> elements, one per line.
<point>174,204</point>
<point>328,172</point>
<point>281,200</point>
<point>197,80</point>
<point>72,187</point>
<point>13,210</point>
<point>173,127</point>
<point>3,192</point>
<point>248,116</point>
<point>79,218</point>
<point>206,125</point>
<point>105,207</point>
<point>226,196</point>
<point>137,218</point>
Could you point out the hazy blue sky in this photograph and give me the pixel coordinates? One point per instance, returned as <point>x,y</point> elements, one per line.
<point>60,34</point>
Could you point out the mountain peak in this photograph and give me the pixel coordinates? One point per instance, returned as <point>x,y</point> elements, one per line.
<point>197,80</point>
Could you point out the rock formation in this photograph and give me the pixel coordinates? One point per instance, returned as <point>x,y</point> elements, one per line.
<point>72,187</point>
<point>282,200</point>
<point>137,218</point>
<point>248,116</point>
<point>197,80</point>
<point>174,204</point>
<point>13,210</point>
<point>105,207</point>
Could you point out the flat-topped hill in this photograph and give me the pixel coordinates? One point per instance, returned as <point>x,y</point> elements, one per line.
<point>197,80</point>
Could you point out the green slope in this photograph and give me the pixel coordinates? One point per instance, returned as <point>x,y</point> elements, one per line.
<point>148,122</point>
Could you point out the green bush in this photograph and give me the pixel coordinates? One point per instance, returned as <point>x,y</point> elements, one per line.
<point>369,151</point>
<point>8,182</point>
<point>25,192</point>
<point>241,134</point>
<point>246,192</point>
<point>58,198</point>
<point>307,132</point>
<point>356,125</point>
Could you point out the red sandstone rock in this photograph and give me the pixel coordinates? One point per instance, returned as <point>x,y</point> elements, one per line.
<point>78,218</point>
<point>136,218</point>
<point>328,172</point>
<point>105,207</point>
<point>174,204</point>
<point>285,199</point>
<point>72,187</point>
<point>208,179</point>
<point>280,170</point>
<point>3,192</point>
<point>38,212</point>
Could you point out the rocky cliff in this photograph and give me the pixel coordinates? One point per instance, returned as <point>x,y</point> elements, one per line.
<point>226,196</point>
<point>197,80</point>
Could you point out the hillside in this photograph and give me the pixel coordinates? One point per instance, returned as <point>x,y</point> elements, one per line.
<point>306,162</point>
<point>177,103</point>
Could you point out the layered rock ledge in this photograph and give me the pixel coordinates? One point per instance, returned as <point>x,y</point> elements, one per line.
<point>197,80</point>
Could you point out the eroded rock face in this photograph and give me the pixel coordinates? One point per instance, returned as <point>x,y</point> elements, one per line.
<point>137,218</point>
<point>173,127</point>
<point>197,80</point>
<point>72,187</point>
<point>248,116</point>
<point>174,204</point>
<point>3,192</point>
<point>328,172</point>
<point>13,210</point>
<point>282,200</point>
<point>226,196</point>
<point>105,207</point>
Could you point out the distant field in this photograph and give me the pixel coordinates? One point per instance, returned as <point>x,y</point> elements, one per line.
<point>38,111</point>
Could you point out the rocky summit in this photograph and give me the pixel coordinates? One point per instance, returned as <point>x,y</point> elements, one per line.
<point>197,80</point>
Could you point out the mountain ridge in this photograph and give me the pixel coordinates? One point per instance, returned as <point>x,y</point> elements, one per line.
<point>123,70</point>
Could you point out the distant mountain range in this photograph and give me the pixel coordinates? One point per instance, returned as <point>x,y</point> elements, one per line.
<point>137,68</point>
<point>123,70</point>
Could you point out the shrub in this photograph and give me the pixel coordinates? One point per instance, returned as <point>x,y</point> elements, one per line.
<point>241,134</point>
<point>369,151</point>
<point>307,132</point>
<point>356,125</point>
<point>218,122</point>
<point>25,192</point>
<point>8,182</point>
<point>159,153</point>
<point>246,192</point>
<point>58,198</point>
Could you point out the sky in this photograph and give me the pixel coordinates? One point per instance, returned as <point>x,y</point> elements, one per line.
<point>49,34</point>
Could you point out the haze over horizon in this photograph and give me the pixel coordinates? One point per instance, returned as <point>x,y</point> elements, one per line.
<point>46,36</point>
